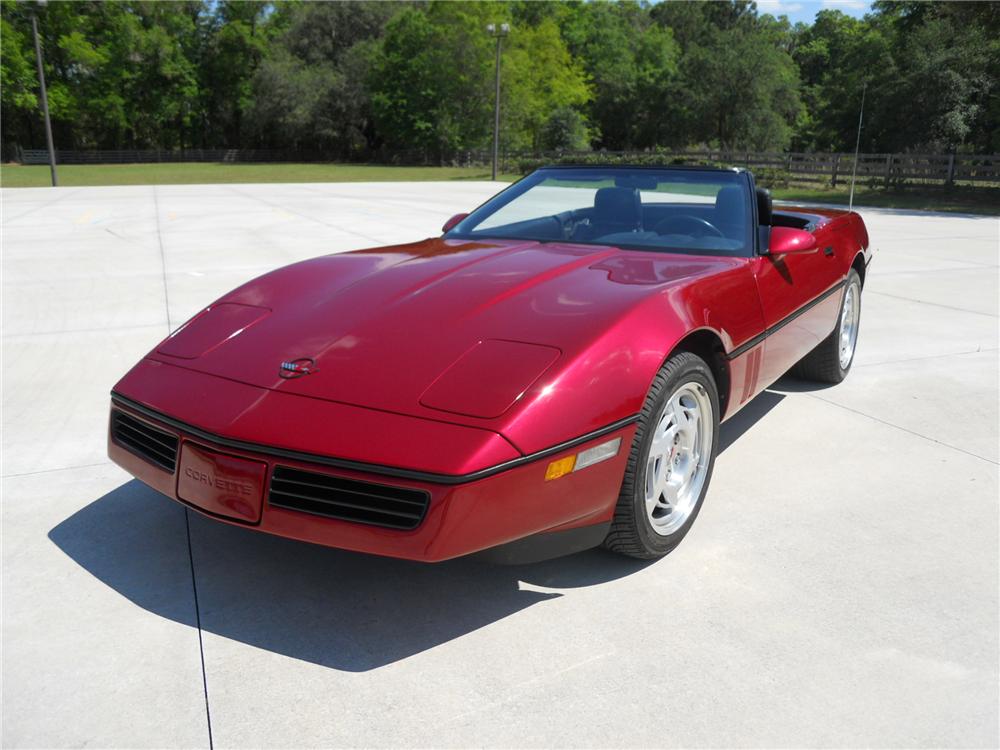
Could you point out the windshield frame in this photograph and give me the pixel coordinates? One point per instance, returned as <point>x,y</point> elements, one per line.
<point>465,228</point>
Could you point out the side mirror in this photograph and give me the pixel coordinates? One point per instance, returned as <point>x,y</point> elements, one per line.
<point>785,240</point>
<point>450,224</point>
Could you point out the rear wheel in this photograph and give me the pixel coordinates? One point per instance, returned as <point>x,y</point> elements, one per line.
<point>670,465</point>
<point>831,360</point>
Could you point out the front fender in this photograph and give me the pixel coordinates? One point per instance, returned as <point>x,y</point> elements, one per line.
<point>607,379</point>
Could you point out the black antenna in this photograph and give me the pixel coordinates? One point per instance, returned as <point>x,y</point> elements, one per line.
<point>857,146</point>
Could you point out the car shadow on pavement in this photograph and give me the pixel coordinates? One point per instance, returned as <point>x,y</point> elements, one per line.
<point>737,425</point>
<point>339,609</point>
<point>790,384</point>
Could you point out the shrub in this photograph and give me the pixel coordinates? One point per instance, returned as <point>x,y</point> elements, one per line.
<point>772,177</point>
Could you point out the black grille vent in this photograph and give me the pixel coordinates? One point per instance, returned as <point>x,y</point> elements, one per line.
<point>347,500</point>
<point>156,446</point>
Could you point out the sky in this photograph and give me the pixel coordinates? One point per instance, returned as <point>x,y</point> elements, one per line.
<point>806,10</point>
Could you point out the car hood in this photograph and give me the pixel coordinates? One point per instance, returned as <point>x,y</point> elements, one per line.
<point>424,328</point>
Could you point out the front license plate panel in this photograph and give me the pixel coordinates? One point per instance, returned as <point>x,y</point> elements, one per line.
<point>221,484</point>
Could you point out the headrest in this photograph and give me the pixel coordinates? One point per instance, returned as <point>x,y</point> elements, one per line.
<point>764,207</point>
<point>618,205</point>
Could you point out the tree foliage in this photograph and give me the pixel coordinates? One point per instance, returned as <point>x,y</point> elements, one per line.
<point>932,72</point>
<point>360,80</point>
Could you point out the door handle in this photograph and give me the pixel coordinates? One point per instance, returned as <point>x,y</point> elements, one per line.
<point>828,252</point>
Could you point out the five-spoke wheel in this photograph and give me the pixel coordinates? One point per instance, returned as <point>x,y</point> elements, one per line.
<point>831,360</point>
<point>677,464</point>
<point>670,464</point>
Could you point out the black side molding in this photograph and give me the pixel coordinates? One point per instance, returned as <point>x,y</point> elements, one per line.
<point>744,348</point>
<point>388,471</point>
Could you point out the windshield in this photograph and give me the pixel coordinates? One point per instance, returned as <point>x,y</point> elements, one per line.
<point>667,210</point>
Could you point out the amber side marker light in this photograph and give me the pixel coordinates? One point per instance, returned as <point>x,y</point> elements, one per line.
<point>568,464</point>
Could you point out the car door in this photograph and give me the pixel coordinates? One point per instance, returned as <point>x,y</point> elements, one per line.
<point>800,295</point>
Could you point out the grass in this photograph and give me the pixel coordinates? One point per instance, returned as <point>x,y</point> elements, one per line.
<point>189,173</point>
<point>958,199</point>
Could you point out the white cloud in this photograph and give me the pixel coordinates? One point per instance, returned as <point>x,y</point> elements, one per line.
<point>779,7</point>
<point>846,4</point>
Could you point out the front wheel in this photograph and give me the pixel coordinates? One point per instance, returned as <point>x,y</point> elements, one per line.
<point>831,360</point>
<point>670,465</point>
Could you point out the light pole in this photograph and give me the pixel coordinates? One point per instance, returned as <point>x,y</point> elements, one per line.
<point>498,32</point>
<point>45,98</point>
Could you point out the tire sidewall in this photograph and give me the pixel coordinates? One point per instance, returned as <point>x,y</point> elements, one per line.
<point>852,280</point>
<point>697,371</point>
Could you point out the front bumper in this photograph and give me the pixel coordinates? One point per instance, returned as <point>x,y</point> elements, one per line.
<point>461,517</point>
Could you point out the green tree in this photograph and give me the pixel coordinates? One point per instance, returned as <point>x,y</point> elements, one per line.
<point>565,130</point>
<point>423,100</point>
<point>837,56</point>
<point>931,70</point>
<point>356,79</point>
<point>118,74</point>
<point>948,61</point>
<point>541,81</point>
<point>309,91</point>
<point>420,98</point>
<point>695,24</point>
<point>632,63</point>
<point>235,39</point>
<point>745,91</point>
<point>18,100</point>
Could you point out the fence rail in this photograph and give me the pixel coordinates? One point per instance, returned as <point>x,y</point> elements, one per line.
<point>151,156</point>
<point>836,168</point>
<point>825,168</point>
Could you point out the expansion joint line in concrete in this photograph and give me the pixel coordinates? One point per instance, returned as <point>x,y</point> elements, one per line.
<point>904,429</point>
<point>197,615</point>
<point>163,258</point>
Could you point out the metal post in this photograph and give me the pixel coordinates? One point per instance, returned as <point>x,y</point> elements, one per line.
<point>496,111</point>
<point>45,101</point>
<point>857,146</point>
<point>499,32</point>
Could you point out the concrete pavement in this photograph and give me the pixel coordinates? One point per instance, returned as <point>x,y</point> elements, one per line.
<point>840,587</point>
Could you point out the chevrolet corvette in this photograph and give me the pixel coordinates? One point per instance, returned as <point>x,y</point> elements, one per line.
<point>546,376</point>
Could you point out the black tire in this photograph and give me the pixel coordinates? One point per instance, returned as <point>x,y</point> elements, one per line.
<point>631,531</point>
<point>822,364</point>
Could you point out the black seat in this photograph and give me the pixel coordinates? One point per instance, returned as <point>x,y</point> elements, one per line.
<point>730,211</point>
<point>616,209</point>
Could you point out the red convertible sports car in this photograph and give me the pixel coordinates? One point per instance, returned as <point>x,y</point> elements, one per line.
<point>548,375</point>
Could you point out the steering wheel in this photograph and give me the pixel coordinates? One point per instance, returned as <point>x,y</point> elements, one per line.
<point>690,221</point>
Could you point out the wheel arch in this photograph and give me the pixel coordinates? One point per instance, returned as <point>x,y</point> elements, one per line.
<point>858,264</point>
<point>707,344</point>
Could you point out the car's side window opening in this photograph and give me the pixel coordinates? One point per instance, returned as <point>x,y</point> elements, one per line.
<point>660,210</point>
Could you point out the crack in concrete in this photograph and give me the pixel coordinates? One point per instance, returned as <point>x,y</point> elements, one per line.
<point>928,356</point>
<point>932,304</point>
<point>197,614</point>
<point>305,216</point>
<point>163,258</point>
<point>58,468</point>
<point>187,512</point>
<point>904,429</point>
<point>44,205</point>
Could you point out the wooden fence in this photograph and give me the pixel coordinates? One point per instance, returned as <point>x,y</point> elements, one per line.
<point>820,168</point>
<point>152,156</point>
<point>832,169</point>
